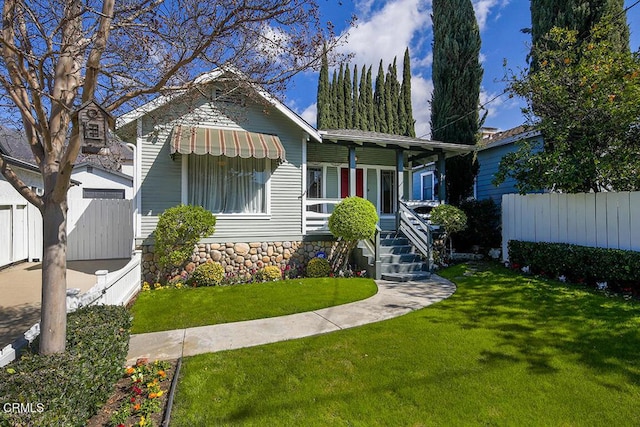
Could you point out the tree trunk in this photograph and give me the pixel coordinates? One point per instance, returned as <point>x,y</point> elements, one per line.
<point>53,325</point>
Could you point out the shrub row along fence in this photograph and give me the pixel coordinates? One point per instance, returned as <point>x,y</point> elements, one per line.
<point>115,288</point>
<point>604,220</point>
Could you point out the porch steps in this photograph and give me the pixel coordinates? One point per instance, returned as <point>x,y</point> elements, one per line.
<point>399,262</point>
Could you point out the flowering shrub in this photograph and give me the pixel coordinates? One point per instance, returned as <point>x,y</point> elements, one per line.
<point>207,274</point>
<point>318,267</point>
<point>144,391</point>
<point>270,273</point>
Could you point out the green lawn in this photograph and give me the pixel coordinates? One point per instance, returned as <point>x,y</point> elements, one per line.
<point>167,309</point>
<point>503,350</point>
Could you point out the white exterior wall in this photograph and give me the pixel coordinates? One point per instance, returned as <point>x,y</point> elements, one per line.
<point>99,178</point>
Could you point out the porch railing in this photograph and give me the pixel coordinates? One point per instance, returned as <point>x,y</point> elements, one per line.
<point>416,229</point>
<point>373,245</point>
<point>318,221</point>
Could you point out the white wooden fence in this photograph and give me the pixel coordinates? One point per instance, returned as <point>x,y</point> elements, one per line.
<point>96,229</point>
<point>607,220</point>
<point>115,288</point>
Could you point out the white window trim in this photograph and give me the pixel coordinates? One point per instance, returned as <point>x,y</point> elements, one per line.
<point>184,196</point>
<point>364,167</point>
<point>423,175</point>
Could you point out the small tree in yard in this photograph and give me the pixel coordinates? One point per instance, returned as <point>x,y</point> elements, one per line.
<point>353,219</point>
<point>58,55</point>
<point>179,229</point>
<point>452,219</point>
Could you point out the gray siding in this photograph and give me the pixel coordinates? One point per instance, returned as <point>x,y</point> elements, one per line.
<point>161,176</point>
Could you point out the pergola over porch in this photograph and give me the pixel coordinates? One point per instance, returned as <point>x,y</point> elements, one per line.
<point>403,154</point>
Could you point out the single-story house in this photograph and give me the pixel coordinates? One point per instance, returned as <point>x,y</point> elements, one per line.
<point>271,178</point>
<point>490,151</point>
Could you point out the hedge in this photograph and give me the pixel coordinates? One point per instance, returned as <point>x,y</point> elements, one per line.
<point>67,389</point>
<point>577,263</point>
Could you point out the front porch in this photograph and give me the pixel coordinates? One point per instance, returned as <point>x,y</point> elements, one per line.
<point>371,165</point>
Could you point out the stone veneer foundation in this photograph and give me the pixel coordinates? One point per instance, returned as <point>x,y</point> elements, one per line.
<point>239,257</point>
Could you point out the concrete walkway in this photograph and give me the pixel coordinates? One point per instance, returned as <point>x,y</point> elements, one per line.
<point>21,292</point>
<point>392,300</point>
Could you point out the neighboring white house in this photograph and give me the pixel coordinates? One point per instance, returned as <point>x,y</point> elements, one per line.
<point>98,182</point>
<point>91,179</point>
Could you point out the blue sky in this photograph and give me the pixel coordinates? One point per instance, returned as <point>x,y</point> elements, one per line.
<point>386,27</point>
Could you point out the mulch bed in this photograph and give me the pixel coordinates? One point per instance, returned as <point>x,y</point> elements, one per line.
<point>122,392</point>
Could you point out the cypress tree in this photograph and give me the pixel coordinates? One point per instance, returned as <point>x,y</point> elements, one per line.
<point>332,105</point>
<point>392,98</point>
<point>363,106</point>
<point>371,108</point>
<point>348,99</point>
<point>457,76</point>
<point>405,109</point>
<point>340,113</point>
<point>379,100</point>
<point>355,120</point>
<point>579,15</point>
<point>323,118</point>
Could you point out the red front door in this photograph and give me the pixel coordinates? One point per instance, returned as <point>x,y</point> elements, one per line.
<point>344,183</point>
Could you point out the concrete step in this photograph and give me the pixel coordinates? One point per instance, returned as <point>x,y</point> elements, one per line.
<point>400,258</point>
<point>406,267</point>
<point>398,249</point>
<point>406,277</point>
<point>395,241</point>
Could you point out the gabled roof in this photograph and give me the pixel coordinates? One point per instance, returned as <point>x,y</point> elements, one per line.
<point>509,136</point>
<point>211,76</point>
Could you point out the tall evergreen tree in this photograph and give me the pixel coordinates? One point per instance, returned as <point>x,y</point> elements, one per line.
<point>392,92</point>
<point>405,109</point>
<point>340,95</point>
<point>323,118</point>
<point>370,106</point>
<point>379,101</point>
<point>355,120</point>
<point>579,15</point>
<point>348,99</point>
<point>457,75</point>
<point>333,92</point>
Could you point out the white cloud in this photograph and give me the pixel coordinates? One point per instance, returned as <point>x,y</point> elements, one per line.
<point>385,33</point>
<point>421,90</point>
<point>310,114</point>
<point>483,9</point>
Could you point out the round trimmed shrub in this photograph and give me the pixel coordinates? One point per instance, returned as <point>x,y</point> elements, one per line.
<point>354,218</point>
<point>270,273</point>
<point>318,267</point>
<point>179,229</point>
<point>451,218</point>
<point>207,274</point>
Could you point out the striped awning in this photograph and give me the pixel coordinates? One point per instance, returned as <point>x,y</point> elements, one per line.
<point>225,142</point>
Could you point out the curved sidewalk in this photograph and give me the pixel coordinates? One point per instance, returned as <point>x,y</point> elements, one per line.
<point>392,300</point>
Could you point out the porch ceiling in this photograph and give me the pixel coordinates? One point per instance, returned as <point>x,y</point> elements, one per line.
<point>421,148</point>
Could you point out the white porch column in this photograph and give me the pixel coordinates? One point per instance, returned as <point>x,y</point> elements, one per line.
<point>400,173</point>
<point>441,174</point>
<point>352,171</point>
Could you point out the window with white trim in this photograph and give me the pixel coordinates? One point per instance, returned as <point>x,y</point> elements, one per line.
<point>228,185</point>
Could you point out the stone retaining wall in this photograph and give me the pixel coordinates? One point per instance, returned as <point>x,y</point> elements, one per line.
<point>239,257</point>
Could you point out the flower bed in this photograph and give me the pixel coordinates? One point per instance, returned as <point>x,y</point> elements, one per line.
<point>140,397</point>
